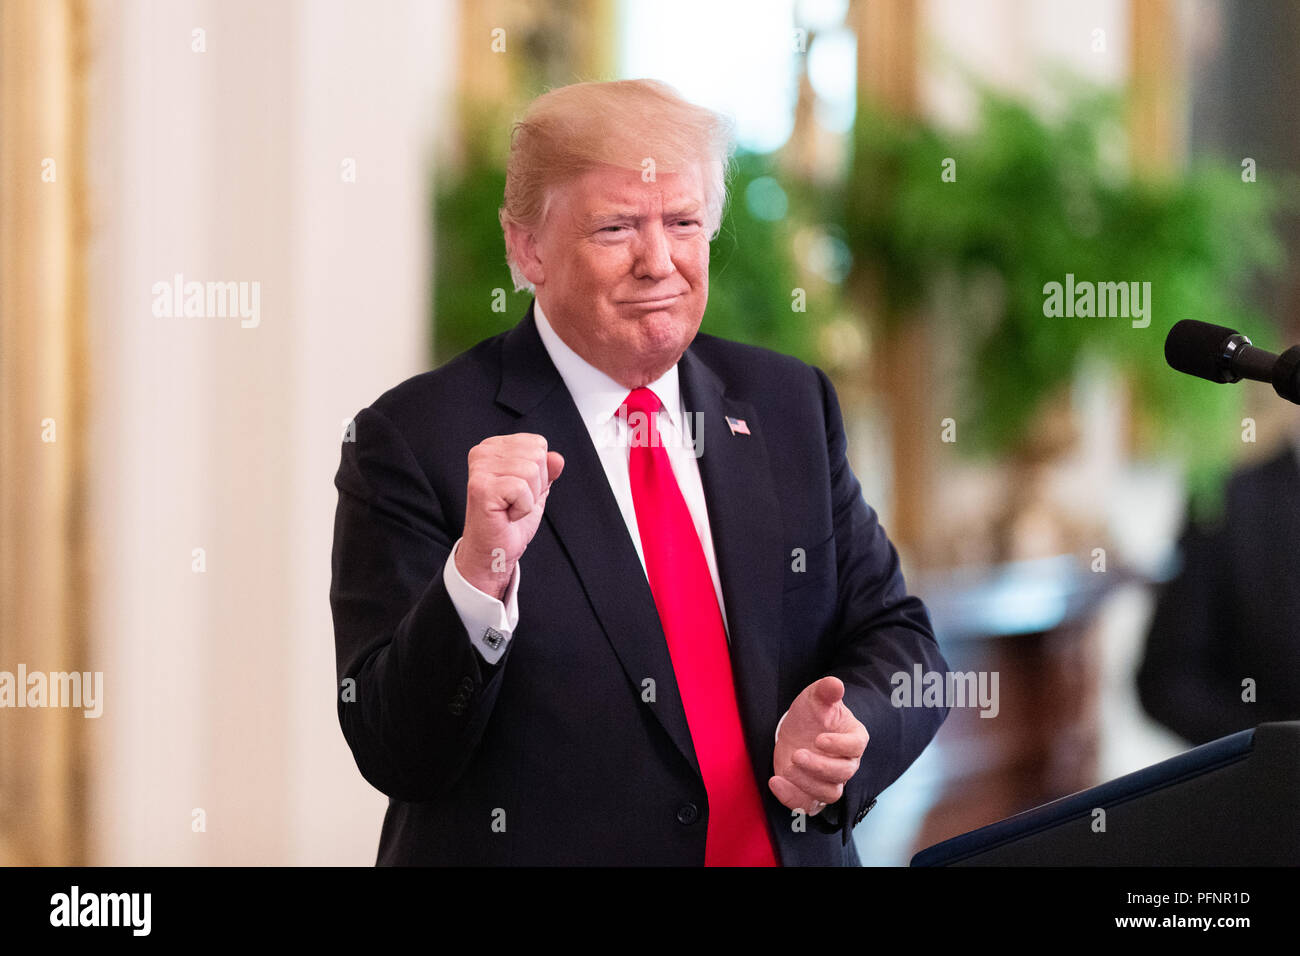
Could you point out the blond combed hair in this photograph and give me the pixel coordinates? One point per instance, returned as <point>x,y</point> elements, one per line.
<point>631,124</point>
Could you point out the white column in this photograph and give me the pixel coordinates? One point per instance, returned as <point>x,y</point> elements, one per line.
<point>224,165</point>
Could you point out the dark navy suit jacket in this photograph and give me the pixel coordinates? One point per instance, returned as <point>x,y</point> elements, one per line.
<point>1231,613</point>
<point>558,754</point>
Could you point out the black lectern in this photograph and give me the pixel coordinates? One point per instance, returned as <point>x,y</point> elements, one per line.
<point>1231,802</point>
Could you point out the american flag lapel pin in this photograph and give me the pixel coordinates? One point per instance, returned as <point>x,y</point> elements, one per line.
<point>737,426</point>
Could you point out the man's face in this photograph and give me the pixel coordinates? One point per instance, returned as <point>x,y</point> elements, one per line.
<point>622,269</point>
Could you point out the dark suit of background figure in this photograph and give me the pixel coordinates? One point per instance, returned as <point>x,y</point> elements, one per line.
<point>1232,612</point>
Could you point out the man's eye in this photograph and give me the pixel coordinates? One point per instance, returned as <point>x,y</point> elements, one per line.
<point>609,228</point>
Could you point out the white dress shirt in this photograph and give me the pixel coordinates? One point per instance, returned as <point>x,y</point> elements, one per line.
<point>491,622</point>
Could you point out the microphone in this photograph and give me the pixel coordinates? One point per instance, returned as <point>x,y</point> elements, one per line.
<point>1224,355</point>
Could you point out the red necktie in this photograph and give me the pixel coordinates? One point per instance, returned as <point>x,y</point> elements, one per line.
<point>697,642</point>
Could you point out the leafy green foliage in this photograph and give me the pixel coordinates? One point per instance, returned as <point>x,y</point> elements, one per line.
<point>1034,200</point>
<point>470,263</point>
<point>753,272</point>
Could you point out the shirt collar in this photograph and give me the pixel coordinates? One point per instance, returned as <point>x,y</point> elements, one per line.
<point>598,396</point>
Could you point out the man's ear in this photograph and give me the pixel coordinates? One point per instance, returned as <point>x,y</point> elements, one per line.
<point>523,251</point>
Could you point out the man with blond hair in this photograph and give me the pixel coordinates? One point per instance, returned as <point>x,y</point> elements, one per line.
<point>605,589</point>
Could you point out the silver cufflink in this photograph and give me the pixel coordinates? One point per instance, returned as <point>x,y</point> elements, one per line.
<point>493,638</point>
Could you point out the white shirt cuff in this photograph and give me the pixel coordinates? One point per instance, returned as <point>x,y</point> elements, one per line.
<point>778,726</point>
<point>488,621</point>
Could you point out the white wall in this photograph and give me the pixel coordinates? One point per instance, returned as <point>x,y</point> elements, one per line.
<point>1016,45</point>
<point>225,165</point>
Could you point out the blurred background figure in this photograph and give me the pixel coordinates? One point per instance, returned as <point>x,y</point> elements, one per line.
<point>1223,653</point>
<point>980,217</point>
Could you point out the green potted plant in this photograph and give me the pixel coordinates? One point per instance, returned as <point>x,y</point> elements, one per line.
<point>993,234</point>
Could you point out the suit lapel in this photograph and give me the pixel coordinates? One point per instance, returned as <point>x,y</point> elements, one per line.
<point>582,511</point>
<point>745,520</point>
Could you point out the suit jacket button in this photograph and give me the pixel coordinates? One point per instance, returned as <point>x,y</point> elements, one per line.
<point>687,814</point>
<point>467,684</point>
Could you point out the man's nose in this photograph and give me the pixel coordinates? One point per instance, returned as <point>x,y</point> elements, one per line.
<point>654,253</point>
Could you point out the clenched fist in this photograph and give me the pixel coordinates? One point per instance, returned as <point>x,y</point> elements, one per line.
<point>509,479</point>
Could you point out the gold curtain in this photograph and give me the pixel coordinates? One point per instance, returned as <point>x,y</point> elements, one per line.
<point>43,389</point>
